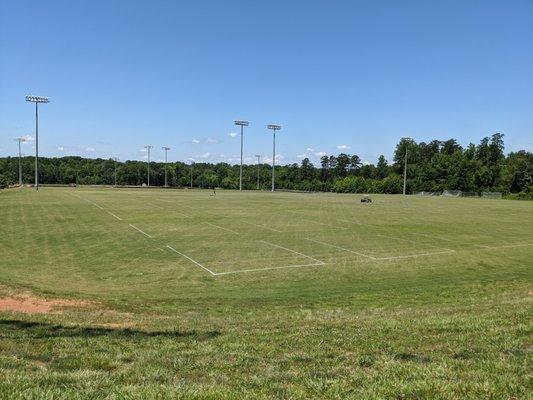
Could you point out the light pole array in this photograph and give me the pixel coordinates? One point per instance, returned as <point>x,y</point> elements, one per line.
<point>166,150</point>
<point>258,162</point>
<point>20,140</point>
<point>148,148</point>
<point>274,128</point>
<point>37,100</point>
<point>242,124</point>
<point>407,140</point>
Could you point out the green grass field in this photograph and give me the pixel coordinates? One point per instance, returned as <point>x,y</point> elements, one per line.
<point>265,295</point>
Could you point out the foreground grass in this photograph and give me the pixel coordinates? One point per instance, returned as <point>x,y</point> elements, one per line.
<point>452,326</point>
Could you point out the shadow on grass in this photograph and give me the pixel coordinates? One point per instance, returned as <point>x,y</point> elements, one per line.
<point>44,330</point>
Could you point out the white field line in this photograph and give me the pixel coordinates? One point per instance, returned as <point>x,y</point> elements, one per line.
<point>415,255</point>
<point>96,205</point>
<point>263,226</point>
<point>221,227</point>
<point>270,268</point>
<point>140,230</point>
<point>190,259</point>
<point>324,224</point>
<point>110,213</point>
<point>506,246</point>
<point>348,221</point>
<point>383,258</point>
<point>342,248</point>
<point>174,211</point>
<point>307,219</point>
<point>412,241</point>
<point>433,237</point>
<point>292,251</point>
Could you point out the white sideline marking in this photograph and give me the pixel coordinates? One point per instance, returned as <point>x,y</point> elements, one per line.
<point>271,268</point>
<point>190,259</point>
<point>262,226</point>
<point>221,227</point>
<point>506,246</point>
<point>292,251</point>
<point>342,248</point>
<point>140,230</point>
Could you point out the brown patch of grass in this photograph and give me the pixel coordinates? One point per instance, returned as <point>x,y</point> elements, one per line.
<point>34,305</point>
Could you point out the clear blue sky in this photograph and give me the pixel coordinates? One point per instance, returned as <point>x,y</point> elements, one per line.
<point>360,74</point>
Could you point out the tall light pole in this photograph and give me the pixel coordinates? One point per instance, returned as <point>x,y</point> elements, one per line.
<point>258,162</point>
<point>115,159</point>
<point>192,163</point>
<point>242,124</point>
<point>406,140</point>
<point>20,140</point>
<point>166,150</point>
<point>148,148</point>
<point>37,100</point>
<point>274,128</point>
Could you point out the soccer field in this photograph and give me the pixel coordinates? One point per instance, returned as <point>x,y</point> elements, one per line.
<point>258,295</point>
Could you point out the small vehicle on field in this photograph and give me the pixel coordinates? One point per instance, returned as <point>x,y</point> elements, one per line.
<point>366,199</point>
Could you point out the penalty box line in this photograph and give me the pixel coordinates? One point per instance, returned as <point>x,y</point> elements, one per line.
<point>315,263</point>
<point>384,258</point>
<point>109,212</point>
<point>190,259</point>
<point>96,205</point>
<point>140,230</point>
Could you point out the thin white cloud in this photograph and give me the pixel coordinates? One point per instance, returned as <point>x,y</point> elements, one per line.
<point>205,155</point>
<point>195,141</point>
<point>343,147</point>
<point>91,149</point>
<point>320,153</point>
<point>310,149</point>
<point>232,134</point>
<point>279,158</point>
<point>301,156</point>
<point>211,140</point>
<point>60,148</point>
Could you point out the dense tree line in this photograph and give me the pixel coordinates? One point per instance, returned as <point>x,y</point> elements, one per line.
<point>434,166</point>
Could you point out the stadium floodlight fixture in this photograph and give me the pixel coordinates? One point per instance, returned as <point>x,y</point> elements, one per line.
<point>242,124</point>
<point>37,100</point>
<point>274,128</point>
<point>258,162</point>
<point>20,140</point>
<point>405,139</point>
<point>166,150</point>
<point>148,148</point>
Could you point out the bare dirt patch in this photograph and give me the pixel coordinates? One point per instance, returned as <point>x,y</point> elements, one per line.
<point>34,305</point>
